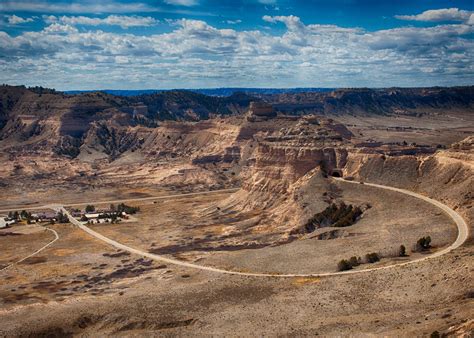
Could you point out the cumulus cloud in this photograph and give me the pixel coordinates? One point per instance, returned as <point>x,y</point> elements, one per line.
<point>233,22</point>
<point>197,54</point>
<point>291,22</point>
<point>439,15</point>
<point>57,28</point>
<point>75,7</point>
<point>182,2</point>
<point>112,20</point>
<point>16,20</point>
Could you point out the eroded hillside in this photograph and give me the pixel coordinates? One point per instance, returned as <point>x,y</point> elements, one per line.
<point>286,213</point>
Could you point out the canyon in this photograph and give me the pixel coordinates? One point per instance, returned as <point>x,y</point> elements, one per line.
<point>232,182</point>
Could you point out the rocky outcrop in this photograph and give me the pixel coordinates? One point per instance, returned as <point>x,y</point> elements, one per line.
<point>184,105</point>
<point>447,175</point>
<point>260,111</point>
<point>287,169</point>
<point>231,154</point>
<point>409,101</point>
<point>112,140</point>
<point>275,168</point>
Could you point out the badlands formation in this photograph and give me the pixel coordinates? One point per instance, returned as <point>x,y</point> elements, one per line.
<point>263,184</point>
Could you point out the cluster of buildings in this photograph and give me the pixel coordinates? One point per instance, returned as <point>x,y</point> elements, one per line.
<point>15,217</point>
<point>100,216</point>
<point>90,215</point>
<point>5,222</point>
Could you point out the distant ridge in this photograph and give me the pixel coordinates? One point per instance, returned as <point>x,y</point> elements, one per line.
<point>208,91</point>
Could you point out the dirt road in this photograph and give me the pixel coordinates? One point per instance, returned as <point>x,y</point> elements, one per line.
<point>461,238</point>
<point>56,237</point>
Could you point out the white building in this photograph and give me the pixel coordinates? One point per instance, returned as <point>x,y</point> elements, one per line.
<point>5,223</point>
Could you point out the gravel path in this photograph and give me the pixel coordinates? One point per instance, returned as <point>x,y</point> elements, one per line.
<point>56,237</point>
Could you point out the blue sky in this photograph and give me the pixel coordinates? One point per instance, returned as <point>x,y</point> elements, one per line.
<point>248,43</point>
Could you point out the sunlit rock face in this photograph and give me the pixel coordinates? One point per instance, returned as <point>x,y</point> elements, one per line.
<point>260,111</point>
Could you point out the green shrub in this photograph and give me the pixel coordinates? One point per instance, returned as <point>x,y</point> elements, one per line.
<point>90,208</point>
<point>127,209</point>
<point>344,265</point>
<point>402,251</point>
<point>341,215</point>
<point>62,218</point>
<point>354,261</point>
<point>372,257</point>
<point>424,243</point>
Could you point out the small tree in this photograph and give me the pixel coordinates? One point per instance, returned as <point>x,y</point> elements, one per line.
<point>424,243</point>
<point>343,265</point>
<point>402,251</point>
<point>372,257</point>
<point>84,218</point>
<point>354,261</point>
<point>62,218</point>
<point>90,208</point>
<point>23,214</point>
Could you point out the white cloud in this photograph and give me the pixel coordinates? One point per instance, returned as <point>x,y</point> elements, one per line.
<point>471,20</point>
<point>233,22</point>
<point>292,22</point>
<point>187,3</point>
<point>121,59</point>
<point>196,54</point>
<point>16,20</point>
<point>269,18</point>
<point>267,2</point>
<point>439,15</point>
<point>75,7</point>
<point>112,20</point>
<point>57,28</point>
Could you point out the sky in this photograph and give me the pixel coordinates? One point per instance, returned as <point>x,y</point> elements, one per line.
<point>164,44</point>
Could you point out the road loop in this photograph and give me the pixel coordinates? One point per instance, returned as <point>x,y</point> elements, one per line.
<point>460,223</point>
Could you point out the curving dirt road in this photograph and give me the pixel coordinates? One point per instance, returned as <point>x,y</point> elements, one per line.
<point>56,237</point>
<point>460,223</point>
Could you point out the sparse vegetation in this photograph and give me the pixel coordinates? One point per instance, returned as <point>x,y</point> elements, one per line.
<point>127,209</point>
<point>24,214</point>
<point>402,252</point>
<point>372,257</point>
<point>90,208</point>
<point>354,261</point>
<point>347,264</point>
<point>62,218</point>
<point>344,265</point>
<point>14,215</point>
<point>423,244</point>
<point>341,215</point>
